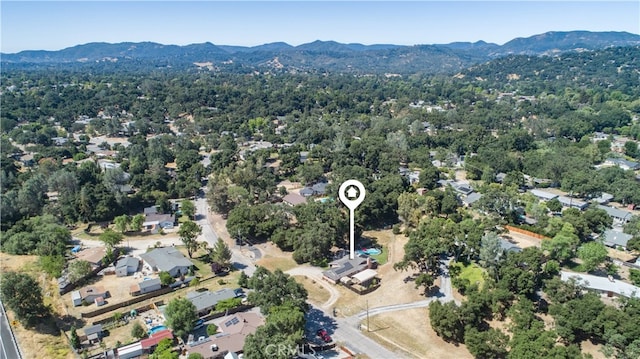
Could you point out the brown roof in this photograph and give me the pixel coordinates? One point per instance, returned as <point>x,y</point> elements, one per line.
<point>92,255</point>
<point>294,199</point>
<point>92,290</point>
<point>235,329</point>
<point>134,289</point>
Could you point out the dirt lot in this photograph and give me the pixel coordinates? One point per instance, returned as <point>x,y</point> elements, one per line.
<point>410,330</point>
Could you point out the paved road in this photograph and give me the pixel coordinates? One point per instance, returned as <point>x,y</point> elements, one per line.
<point>205,220</point>
<point>8,348</point>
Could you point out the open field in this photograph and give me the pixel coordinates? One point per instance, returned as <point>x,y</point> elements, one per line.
<point>472,272</point>
<point>410,330</point>
<point>44,341</point>
<point>317,294</point>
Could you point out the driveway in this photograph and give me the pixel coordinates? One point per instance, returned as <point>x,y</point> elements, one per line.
<point>316,274</point>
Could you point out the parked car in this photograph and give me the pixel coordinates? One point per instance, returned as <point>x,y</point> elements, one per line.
<point>322,333</point>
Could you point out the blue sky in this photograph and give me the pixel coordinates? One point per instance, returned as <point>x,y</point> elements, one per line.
<point>53,25</point>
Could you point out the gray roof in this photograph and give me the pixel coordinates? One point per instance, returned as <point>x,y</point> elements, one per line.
<point>345,267</point>
<point>603,284</point>
<point>543,194</point>
<point>149,283</point>
<point>616,213</point>
<point>472,198</point>
<point>166,259</point>
<point>206,300</point>
<point>94,329</point>
<point>320,188</point>
<point>508,246</point>
<point>157,217</point>
<point>613,238</point>
<point>622,162</point>
<point>151,210</point>
<point>572,202</point>
<point>127,262</point>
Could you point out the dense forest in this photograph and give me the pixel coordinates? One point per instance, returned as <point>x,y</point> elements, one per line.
<point>520,116</point>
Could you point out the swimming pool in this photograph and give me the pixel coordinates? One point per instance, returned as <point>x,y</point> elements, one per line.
<point>369,251</point>
<point>156,329</point>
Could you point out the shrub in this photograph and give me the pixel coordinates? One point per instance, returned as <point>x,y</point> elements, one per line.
<point>212,329</point>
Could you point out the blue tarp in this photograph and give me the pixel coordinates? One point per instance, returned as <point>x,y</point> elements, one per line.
<point>76,249</point>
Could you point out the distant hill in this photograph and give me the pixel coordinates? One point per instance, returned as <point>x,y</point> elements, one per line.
<point>325,55</point>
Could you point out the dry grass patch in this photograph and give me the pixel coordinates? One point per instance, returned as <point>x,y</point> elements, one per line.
<point>317,294</point>
<point>410,331</point>
<point>273,263</point>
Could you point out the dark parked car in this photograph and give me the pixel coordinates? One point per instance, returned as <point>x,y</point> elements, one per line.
<point>322,333</point>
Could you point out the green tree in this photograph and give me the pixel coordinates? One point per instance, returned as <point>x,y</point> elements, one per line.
<point>274,289</point>
<point>562,247</point>
<point>136,222</point>
<point>78,269</point>
<point>137,331</point>
<point>490,344</point>
<point>243,280</point>
<point>284,328</point>
<point>122,223</point>
<point>188,233</point>
<point>554,205</point>
<point>22,294</point>
<point>195,356</point>
<point>188,209</point>
<point>634,276</point>
<point>181,315</point>
<point>221,254</point>
<point>111,238</point>
<point>592,255</point>
<point>164,350</point>
<point>74,338</point>
<point>490,251</point>
<point>166,278</point>
<point>446,321</point>
<point>52,265</point>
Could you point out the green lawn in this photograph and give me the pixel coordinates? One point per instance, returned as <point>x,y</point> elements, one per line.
<point>472,272</point>
<point>383,257</point>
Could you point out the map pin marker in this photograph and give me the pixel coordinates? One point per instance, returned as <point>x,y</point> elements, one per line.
<point>351,193</point>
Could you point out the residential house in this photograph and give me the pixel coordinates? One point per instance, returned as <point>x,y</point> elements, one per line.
<point>619,216</point>
<point>93,255</point>
<point>470,199</point>
<point>615,239</point>
<point>233,330</point>
<point>155,222</point>
<point>543,195</point>
<point>94,333</point>
<point>88,294</point>
<point>206,301</point>
<point>126,266</point>
<point>604,198</point>
<point>146,286</point>
<point>571,202</point>
<point>294,199</point>
<point>344,268</point>
<point>506,246</point>
<point>609,286</point>
<point>167,259</point>
<point>130,351</point>
<point>622,163</point>
<point>150,343</point>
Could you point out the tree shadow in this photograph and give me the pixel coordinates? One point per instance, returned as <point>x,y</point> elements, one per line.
<point>65,322</point>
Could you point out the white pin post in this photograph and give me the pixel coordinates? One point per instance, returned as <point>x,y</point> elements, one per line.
<point>351,193</point>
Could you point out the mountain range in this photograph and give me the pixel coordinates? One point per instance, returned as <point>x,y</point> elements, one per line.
<point>322,55</point>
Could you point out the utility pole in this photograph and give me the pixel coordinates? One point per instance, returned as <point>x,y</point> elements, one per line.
<point>368,328</point>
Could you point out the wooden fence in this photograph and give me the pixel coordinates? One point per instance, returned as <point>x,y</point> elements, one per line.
<point>525,232</point>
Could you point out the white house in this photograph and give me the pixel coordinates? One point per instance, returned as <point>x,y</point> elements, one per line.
<point>167,259</point>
